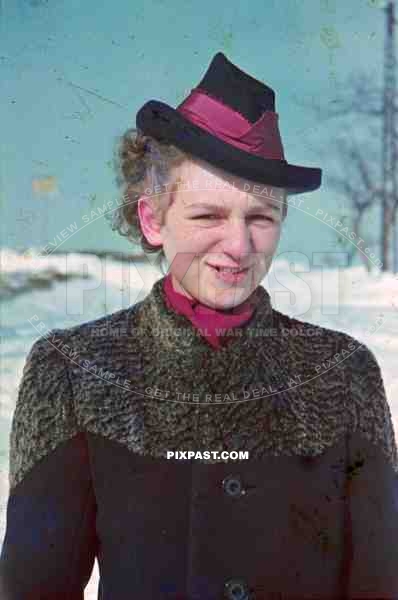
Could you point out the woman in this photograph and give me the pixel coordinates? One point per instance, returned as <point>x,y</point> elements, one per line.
<point>203,365</point>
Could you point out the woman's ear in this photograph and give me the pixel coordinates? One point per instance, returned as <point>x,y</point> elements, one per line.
<point>149,221</point>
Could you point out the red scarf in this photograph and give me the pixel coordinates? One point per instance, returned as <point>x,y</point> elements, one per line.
<point>205,318</point>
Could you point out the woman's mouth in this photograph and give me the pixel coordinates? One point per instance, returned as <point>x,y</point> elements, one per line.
<point>229,275</point>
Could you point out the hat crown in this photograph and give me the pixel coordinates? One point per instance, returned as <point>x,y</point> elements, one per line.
<point>229,120</point>
<point>229,84</point>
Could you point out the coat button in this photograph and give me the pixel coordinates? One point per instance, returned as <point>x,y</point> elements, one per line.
<point>236,589</point>
<point>233,486</point>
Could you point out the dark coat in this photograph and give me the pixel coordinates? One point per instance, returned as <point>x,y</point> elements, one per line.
<point>312,512</point>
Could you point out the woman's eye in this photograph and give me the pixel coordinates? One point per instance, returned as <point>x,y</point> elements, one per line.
<point>216,217</point>
<point>203,216</point>
<point>262,217</point>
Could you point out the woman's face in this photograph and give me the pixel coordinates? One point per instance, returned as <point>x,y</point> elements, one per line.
<point>217,219</point>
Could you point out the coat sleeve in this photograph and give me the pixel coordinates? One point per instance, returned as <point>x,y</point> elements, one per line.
<point>50,541</point>
<point>372,485</point>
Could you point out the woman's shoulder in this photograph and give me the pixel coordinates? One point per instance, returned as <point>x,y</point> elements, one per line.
<point>337,354</point>
<point>321,341</point>
<point>331,348</point>
<point>50,352</point>
<point>46,410</point>
<point>348,365</point>
<point>109,325</point>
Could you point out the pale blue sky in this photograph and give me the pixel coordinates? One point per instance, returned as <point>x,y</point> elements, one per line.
<point>74,75</point>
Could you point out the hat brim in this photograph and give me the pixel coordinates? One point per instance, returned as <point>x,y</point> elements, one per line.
<point>165,123</point>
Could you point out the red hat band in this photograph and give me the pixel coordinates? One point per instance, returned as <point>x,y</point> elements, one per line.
<point>261,138</point>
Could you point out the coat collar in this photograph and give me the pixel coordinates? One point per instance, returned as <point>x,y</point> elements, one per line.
<point>211,322</point>
<point>186,363</point>
<point>175,331</point>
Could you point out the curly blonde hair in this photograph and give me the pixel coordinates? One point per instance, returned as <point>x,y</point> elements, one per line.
<point>141,162</point>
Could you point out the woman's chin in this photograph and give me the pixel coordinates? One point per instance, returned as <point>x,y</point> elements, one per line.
<point>226,292</point>
<point>224,299</point>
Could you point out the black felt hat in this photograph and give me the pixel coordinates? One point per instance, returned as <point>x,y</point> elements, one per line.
<point>229,120</point>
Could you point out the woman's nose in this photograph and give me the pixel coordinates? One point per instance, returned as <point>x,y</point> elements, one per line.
<point>237,238</point>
